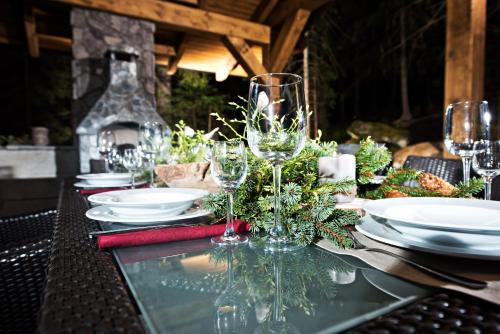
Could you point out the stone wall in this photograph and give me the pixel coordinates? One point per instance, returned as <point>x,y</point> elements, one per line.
<point>94,33</point>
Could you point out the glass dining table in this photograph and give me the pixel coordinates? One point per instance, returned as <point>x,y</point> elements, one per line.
<point>195,287</point>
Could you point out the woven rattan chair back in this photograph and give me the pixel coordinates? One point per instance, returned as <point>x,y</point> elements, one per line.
<point>24,251</point>
<point>447,169</point>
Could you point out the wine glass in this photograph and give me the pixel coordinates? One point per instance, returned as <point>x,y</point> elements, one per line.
<point>151,137</point>
<point>132,160</point>
<point>230,307</point>
<point>114,159</point>
<point>462,128</point>
<point>105,142</point>
<point>276,131</point>
<point>486,162</point>
<point>229,170</point>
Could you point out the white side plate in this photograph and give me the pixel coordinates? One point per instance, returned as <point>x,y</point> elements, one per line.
<point>105,178</point>
<point>379,232</point>
<point>104,213</point>
<point>98,185</point>
<point>452,214</point>
<point>163,198</point>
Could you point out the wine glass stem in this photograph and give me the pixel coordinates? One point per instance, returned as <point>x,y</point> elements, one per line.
<point>487,188</point>
<point>152,164</point>
<point>277,230</point>
<point>229,233</point>
<point>133,181</point>
<point>466,162</point>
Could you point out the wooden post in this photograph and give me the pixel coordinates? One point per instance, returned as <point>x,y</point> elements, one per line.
<point>465,41</point>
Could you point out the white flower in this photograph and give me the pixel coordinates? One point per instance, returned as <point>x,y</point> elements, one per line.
<point>188,131</point>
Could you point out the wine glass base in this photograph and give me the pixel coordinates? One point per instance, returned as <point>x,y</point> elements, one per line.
<point>223,240</point>
<point>269,244</point>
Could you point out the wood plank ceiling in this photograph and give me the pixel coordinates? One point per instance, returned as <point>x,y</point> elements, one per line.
<point>225,37</point>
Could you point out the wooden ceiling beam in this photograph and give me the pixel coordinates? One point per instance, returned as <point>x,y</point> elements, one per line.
<point>54,42</point>
<point>263,10</point>
<point>179,52</point>
<point>287,39</point>
<point>228,65</point>
<point>30,29</point>
<point>244,55</point>
<point>286,8</point>
<point>180,17</point>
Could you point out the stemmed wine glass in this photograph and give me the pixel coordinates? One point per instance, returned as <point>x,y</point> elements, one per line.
<point>276,131</point>
<point>132,160</point>
<point>229,170</point>
<point>462,128</point>
<point>486,162</point>
<point>105,143</point>
<point>151,137</point>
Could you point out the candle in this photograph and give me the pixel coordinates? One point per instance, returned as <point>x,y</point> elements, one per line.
<point>339,167</point>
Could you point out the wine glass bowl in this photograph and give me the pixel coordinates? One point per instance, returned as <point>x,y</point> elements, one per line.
<point>486,162</point>
<point>151,142</point>
<point>229,170</point>
<point>462,127</point>
<point>132,161</point>
<point>106,141</point>
<point>276,131</point>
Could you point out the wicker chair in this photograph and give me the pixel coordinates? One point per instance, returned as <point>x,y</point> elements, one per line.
<point>24,253</point>
<point>447,169</point>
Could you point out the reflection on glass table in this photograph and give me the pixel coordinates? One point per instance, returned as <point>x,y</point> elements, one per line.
<point>193,287</point>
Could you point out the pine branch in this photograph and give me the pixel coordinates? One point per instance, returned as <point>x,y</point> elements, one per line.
<point>370,158</point>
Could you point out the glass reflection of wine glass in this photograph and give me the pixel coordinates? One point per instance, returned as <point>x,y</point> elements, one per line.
<point>229,170</point>
<point>105,142</point>
<point>277,323</point>
<point>276,131</point>
<point>230,306</point>
<point>486,162</point>
<point>132,161</point>
<point>151,138</point>
<point>462,128</point>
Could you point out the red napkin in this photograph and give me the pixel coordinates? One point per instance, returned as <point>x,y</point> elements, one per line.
<point>167,234</point>
<point>103,190</point>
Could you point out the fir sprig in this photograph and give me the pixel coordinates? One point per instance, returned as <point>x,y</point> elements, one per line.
<point>370,158</point>
<point>308,207</point>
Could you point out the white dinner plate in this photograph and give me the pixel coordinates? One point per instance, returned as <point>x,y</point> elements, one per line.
<point>86,185</point>
<point>442,237</point>
<point>105,179</point>
<point>382,233</point>
<point>160,198</point>
<point>104,213</point>
<point>453,214</point>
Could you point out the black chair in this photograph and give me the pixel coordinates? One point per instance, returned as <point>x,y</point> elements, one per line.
<point>448,169</point>
<point>24,253</point>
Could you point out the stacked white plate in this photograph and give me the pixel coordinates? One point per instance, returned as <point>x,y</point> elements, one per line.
<point>146,206</point>
<point>448,226</point>
<point>105,180</point>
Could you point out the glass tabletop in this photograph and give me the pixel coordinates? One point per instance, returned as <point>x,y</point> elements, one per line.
<point>194,287</point>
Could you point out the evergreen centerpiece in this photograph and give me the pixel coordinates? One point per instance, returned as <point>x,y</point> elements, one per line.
<point>307,207</point>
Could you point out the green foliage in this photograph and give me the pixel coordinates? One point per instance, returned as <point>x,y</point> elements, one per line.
<point>187,145</point>
<point>307,207</point>
<point>192,99</point>
<point>51,98</point>
<point>476,184</point>
<point>370,158</point>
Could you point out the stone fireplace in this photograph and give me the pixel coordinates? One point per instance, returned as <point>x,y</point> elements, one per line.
<point>113,77</point>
